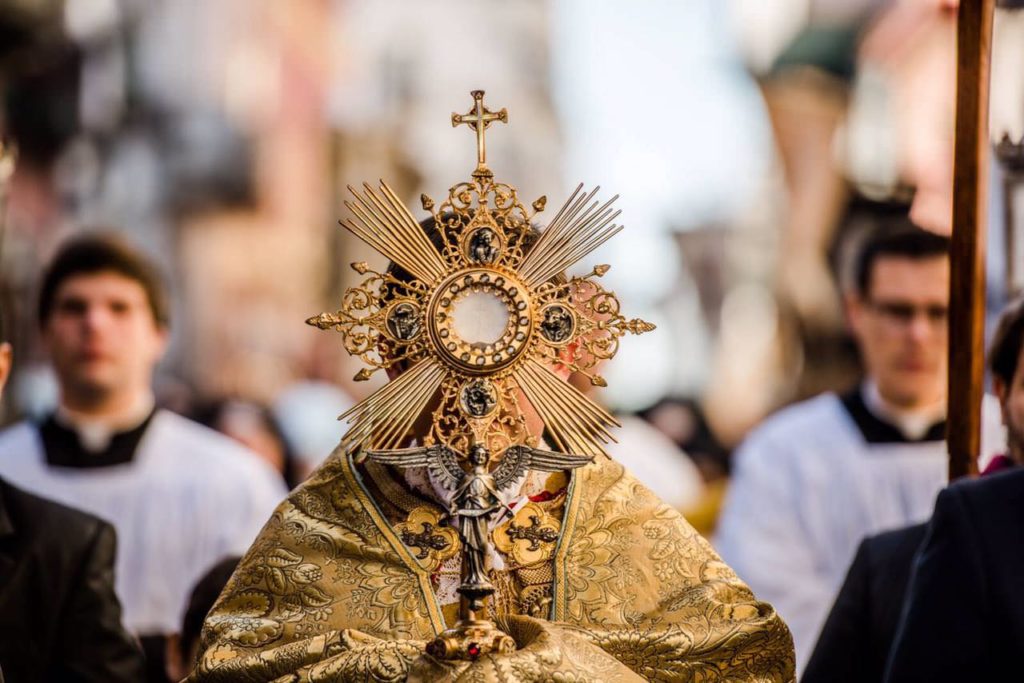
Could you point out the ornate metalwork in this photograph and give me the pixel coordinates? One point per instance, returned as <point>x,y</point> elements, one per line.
<point>535,534</point>
<point>477,495</point>
<point>426,540</point>
<point>557,323</point>
<point>484,246</point>
<point>478,313</point>
<point>478,118</point>
<point>425,533</point>
<point>478,399</point>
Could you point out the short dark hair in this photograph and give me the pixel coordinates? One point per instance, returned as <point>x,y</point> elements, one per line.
<point>901,239</point>
<point>104,252</point>
<point>1004,351</point>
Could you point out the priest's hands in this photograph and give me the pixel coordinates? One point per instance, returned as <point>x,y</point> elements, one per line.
<point>544,651</point>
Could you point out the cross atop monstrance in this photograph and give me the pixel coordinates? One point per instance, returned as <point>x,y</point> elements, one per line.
<point>478,118</point>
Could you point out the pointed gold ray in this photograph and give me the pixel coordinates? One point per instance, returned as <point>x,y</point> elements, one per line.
<point>570,236</point>
<point>572,224</point>
<point>586,234</point>
<point>565,214</point>
<point>382,233</point>
<point>383,419</point>
<point>554,267</point>
<point>383,222</point>
<point>562,425</point>
<point>381,230</point>
<point>392,210</point>
<point>569,208</point>
<point>368,230</point>
<point>560,260</point>
<point>577,424</point>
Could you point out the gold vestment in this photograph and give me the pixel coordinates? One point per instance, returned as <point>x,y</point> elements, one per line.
<point>328,592</point>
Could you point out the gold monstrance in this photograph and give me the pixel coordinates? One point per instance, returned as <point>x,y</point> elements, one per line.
<point>479,314</point>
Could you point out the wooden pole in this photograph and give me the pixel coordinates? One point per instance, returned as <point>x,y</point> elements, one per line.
<point>967,283</point>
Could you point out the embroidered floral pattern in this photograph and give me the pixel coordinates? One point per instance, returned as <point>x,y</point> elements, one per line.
<point>325,595</point>
<point>671,609</point>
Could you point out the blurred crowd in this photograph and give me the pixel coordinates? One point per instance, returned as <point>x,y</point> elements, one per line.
<point>166,225</point>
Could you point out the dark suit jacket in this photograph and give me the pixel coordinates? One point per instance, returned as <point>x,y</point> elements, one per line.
<point>855,641</point>
<point>964,616</point>
<point>59,617</point>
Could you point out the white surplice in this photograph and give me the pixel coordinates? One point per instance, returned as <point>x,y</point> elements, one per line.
<point>188,498</point>
<point>807,487</point>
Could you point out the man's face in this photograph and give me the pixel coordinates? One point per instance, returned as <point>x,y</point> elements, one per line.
<point>1011,400</point>
<point>102,336</point>
<point>901,327</point>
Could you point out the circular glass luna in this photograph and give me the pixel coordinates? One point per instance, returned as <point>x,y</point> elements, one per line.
<point>480,320</point>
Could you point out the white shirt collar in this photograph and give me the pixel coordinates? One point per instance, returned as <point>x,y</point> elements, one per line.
<point>913,424</point>
<point>95,433</point>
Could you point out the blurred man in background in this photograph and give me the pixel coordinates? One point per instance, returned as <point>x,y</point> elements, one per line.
<point>856,639</point>
<point>59,615</point>
<point>816,478</point>
<point>180,496</point>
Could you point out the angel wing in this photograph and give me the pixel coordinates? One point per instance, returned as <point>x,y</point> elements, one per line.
<point>519,459</point>
<point>442,461</point>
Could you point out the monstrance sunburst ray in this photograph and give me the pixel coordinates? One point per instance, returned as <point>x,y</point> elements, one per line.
<point>386,225</point>
<point>570,236</point>
<point>383,420</point>
<point>577,424</point>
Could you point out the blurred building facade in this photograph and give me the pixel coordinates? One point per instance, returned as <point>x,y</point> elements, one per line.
<point>221,136</point>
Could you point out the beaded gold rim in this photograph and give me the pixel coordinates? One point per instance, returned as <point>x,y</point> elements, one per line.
<point>474,357</point>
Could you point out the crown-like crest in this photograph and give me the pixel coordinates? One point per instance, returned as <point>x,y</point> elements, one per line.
<point>479,314</point>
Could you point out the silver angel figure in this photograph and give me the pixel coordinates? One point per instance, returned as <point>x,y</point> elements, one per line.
<point>477,495</point>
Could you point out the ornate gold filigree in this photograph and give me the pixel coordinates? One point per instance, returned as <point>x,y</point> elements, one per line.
<point>484,245</point>
<point>632,581</point>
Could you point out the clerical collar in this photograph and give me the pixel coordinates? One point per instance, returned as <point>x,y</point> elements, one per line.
<point>94,433</point>
<point>72,440</point>
<point>880,424</point>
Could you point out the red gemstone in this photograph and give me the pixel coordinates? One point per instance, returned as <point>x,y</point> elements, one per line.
<point>473,650</point>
